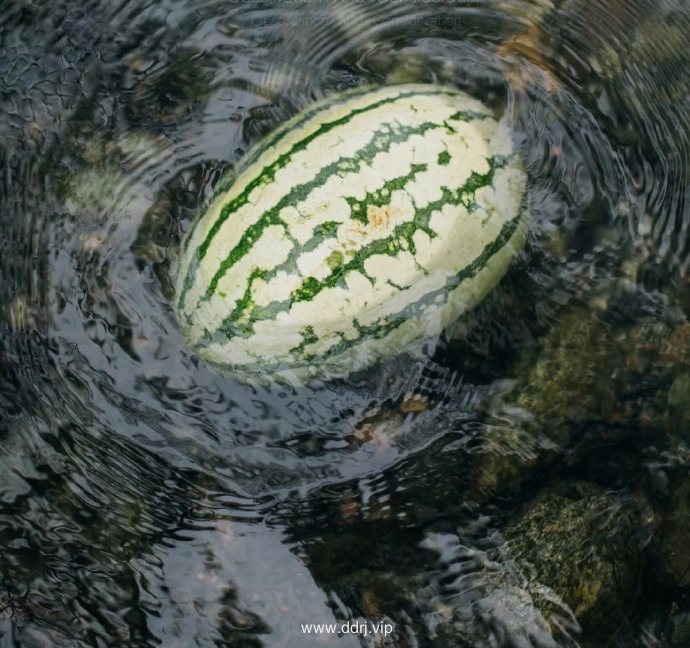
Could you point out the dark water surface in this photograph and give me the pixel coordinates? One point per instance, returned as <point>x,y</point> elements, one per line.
<point>147,501</point>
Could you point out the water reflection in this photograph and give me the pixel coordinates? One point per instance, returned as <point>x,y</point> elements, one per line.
<point>144,500</point>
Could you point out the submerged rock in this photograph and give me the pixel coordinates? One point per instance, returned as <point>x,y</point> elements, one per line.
<point>563,572</point>
<point>530,420</point>
<point>674,554</point>
<point>584,545</point>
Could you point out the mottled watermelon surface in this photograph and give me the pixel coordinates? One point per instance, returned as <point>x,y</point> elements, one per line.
<point>366,224</point>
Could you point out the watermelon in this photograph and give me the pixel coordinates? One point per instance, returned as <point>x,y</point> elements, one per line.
<point>358,229</point>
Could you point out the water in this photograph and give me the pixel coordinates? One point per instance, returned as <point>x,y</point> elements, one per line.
<point>145,500</point>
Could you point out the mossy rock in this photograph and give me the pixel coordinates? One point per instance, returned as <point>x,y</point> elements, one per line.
<point>570,381</point>
<point>584,544</point>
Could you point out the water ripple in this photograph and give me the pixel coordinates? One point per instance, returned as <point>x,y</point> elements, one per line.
<point>145,500</point>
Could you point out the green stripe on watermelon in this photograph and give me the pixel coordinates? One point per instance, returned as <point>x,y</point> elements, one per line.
<point>391,246</point>
<point>282,161</point>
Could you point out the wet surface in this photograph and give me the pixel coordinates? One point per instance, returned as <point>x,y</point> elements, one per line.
<point>146,501</point>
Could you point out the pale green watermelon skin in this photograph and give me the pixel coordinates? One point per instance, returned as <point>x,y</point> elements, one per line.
<point>362,227</point>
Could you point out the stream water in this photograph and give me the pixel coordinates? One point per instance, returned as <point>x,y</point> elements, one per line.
<point>147,501</point>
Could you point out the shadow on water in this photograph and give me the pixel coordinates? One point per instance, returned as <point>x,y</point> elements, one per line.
<point>145,500</point>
